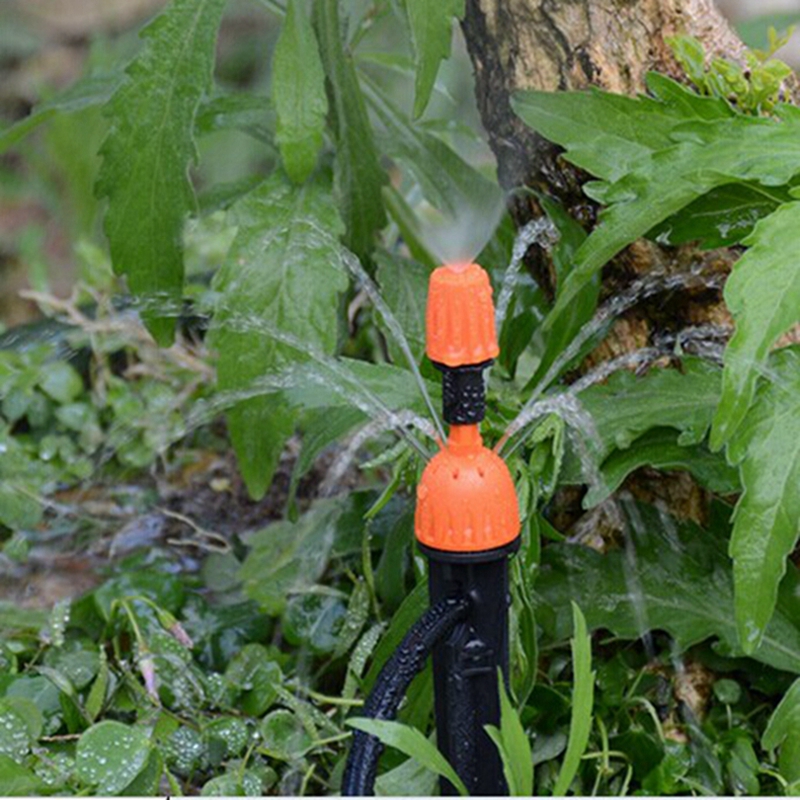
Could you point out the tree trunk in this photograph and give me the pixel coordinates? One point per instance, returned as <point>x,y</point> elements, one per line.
<point>612,44</point>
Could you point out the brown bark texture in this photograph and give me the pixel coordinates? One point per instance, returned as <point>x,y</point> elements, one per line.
<point>611,44</point>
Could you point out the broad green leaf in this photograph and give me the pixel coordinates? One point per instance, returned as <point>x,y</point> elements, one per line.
<point>766,521</point>
<point>284,267</point>
<point>110,755</point>
<point>660,448</point>
<point>404,286</point>
<point>313,621</point>
<point>85,93</point>
<point>358,176</point>
<point>431,33</point>
<point>672,578</point>
<point>298,91</point>
<point>582,702</point>
<point>148,151</point>
<point>514,746</point>
<point>763,294</point>
<point>253,672</point>
<point>783,730</point>
<point>283,736</point>
<point>412,743</point>
<point>626,406</point>
<point>723,217</point>
<point>608,135</point>
<point>250,113</point>
<point>287,558</point>
<point>647,179</point>
<point>16,781</point>
<point>17,731</point>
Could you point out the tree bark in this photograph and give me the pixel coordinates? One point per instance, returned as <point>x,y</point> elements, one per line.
<point>611,44</point>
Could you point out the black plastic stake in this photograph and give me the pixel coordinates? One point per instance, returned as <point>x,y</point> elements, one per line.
<point>466,663</point>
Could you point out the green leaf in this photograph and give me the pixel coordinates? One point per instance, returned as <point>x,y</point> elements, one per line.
<point>514,746</point>
<point>110,755</point>
<point>767,448</point>
<point>410,779</point>
<point>608,135</point>
<point>648,179</point>
<point>582,702</point>
<point>404,286</point>
<point>17,729</point>
<point>253,672</point>
<point>93,90</point>
<point>431,33</point>
<point>626,406</point>
<point>284,267</point>
<point>290,557</point>
<point>413,744</point>
<point>298,91</point>
<point>283,736</point>
<point>148,151</point>
<point>673,578</point>
<point>358,176</point>
<point>783,730</point>
<point>314,621</point>
<point>660,448</point>
<point>723,217</point>
<point>16,781</point>
<point>763,294</point>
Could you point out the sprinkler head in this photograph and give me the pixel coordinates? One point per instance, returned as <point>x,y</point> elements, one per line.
<point>466,502</point>
<point>460,316</point>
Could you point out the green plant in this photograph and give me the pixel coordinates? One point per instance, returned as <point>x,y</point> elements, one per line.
<point>348,190</point>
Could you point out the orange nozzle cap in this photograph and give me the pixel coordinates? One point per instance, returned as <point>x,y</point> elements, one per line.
<point>466,500</point>
<point>460,316</point>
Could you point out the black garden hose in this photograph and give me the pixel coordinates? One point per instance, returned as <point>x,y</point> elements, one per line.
<point>390,688</point>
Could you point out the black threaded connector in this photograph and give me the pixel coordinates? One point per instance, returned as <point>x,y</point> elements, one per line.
<point>463,393</point>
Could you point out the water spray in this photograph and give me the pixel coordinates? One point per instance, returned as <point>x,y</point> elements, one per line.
<point>467,525</point>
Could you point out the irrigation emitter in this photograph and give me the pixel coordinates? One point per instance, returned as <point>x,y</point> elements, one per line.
<point>467,525</point>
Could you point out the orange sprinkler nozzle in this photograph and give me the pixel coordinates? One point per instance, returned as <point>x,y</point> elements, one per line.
<point>460,316</point>
<point>466,501</point>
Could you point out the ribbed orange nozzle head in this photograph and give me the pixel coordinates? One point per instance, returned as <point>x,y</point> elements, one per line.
<point>466,500</point>
<point>460,316</point>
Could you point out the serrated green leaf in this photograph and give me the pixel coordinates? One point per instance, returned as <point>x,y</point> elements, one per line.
<point>767,448</point>
<point>626,406</point>
<point>412,743</point>
<point>148,151</point>
<point>608,135</point>
<point>284,267</point>
<point>763,294</point>
<point>298,91</point>
<point>660,448</point>
<point>582,702</point>
<point>358,176</point>
<point>648,181</point>
<point>431,33</point>
<point>675,578</point>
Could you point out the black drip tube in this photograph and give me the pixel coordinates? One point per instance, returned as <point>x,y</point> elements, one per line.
<point>390,688</point>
